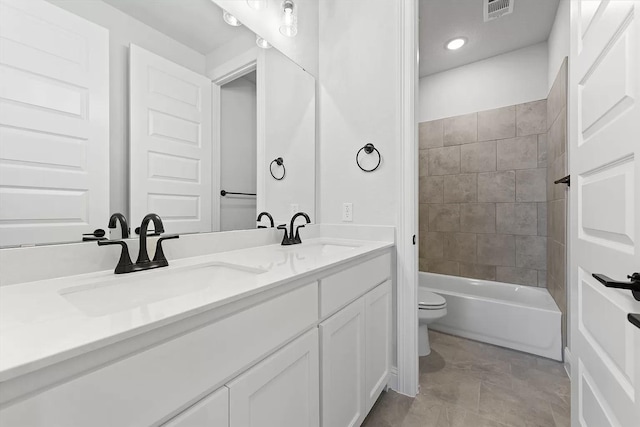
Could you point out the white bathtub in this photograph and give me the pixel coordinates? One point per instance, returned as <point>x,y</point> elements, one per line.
<point>518,317</point>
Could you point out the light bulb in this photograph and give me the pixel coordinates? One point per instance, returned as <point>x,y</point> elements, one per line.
<point>231,20</point>
<point>257,4</point>
<point>456,43</point>
<point>289,26</point>
<point>262,42</point>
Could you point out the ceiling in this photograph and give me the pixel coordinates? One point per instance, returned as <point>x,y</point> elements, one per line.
<point>194,23</point>
<point>443,20</point>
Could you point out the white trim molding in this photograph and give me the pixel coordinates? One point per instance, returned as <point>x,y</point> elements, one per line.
<point>407,261</point>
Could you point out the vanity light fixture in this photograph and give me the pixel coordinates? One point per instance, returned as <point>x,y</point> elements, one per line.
<point>230,19</point>
<point>262,42</point>
<point>289,26</point>
<point>455,44</point>
<point>257,4</point>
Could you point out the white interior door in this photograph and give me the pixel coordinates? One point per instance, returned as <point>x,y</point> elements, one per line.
<point>54,124</point>
<point>604,156</point>
<point>170,162</point>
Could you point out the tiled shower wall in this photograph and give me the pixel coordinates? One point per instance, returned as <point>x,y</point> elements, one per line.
<point>483,195</point>
<point>557,194</point>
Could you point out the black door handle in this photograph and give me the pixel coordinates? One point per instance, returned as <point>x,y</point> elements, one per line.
<point>634,319</point>
<point>633,285</point>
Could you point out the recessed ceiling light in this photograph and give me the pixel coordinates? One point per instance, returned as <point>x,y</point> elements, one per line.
<point>456,43</point>
<point>262,42</point>
<point>230,19</point>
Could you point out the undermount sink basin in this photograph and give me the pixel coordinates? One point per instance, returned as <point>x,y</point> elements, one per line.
<point>127,291</point>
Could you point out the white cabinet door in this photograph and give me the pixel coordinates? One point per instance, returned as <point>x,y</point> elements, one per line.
<point>170,138</point>
<point>212,411</point>
<point>280,391</point>
<point>54,124</point>
<point>343,361</point>
<point>377,314</point>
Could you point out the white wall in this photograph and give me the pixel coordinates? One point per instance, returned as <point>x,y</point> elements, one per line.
<point>124,30</point>
<point>238,151</point>
<point>358,99</point>
<point>508,79</point>
<point>558,41</point>
<point>287,128</point>
<point>303,48</point>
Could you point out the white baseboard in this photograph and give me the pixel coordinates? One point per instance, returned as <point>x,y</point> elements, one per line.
<point>568,360</point>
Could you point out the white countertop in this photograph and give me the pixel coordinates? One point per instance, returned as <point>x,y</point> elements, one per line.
<point>46,322</point>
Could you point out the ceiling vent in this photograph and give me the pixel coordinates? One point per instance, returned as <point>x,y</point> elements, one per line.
<point>494,9</point>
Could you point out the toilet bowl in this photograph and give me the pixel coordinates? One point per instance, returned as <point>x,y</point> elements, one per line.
<point>431,307</point>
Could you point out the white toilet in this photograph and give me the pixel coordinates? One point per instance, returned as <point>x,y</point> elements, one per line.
<point>431,307</point>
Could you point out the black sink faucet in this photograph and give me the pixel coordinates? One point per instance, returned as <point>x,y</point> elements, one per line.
<point>268,215</point>
<point>143,262</point>
<point>293,238</point>
<point>124,225</point>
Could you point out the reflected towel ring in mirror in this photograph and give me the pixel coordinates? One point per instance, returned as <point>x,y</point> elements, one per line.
<point>368,149</point>
<point>280,162</point>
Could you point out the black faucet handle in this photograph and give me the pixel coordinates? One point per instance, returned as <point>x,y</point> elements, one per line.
<point>159,255</point>
<point>285,239</point>
<point>124,263</point>
<point>297,238</point>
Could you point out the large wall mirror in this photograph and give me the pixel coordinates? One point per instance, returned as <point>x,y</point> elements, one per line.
<point>175,110</point>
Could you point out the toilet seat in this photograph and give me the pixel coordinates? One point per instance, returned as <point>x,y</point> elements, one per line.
<point>430,301</point>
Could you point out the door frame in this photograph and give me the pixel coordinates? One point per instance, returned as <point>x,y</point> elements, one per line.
<point>406,379</point>
<point>231,70</point>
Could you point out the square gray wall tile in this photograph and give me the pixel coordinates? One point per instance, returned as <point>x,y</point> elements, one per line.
<point>432,245</point>
<point>496,249</point>
<point>452,268</point>
<point>478,218</point>
<point>542,150</point>
<point>478,157</point>
<point>423,218</point>
<point>518,153</point>
<point>497,186</point>
<point>423,163</point>
<point>461,188</point>
<point>444,217</point>
<point>531,185</point>
<point>461,129</point>
<point>518,276</point>
<point>430,134</point>
<point>460,247</point>
<point>497,124</point>
<point>542,219</point>
<point>431,189</point>
<point>531,252</point>
<point>444,161</point>
<point>476,271</point>
<point>531,118</point>
<point>517,218</point>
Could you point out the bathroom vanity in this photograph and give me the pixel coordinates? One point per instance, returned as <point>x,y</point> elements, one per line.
<point>262,336</point>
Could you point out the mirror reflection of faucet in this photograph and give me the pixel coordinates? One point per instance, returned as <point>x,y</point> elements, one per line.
<point>268,215</point>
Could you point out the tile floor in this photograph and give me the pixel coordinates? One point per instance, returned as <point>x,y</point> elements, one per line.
<point>465,383</point>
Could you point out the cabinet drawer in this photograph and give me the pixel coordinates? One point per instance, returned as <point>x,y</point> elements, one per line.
<point>212,411</point>
<point>338,290</point>
<point>145,388</point>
